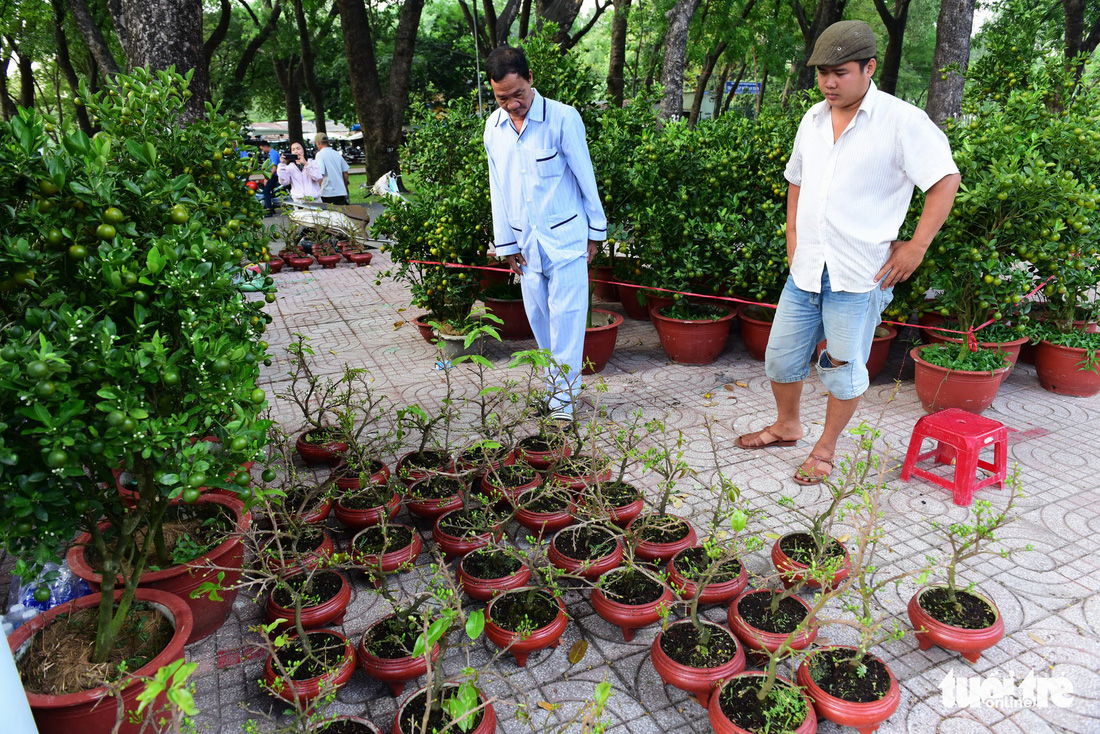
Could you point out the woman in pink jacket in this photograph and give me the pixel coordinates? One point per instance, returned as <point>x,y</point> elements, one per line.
<point>301,174</point>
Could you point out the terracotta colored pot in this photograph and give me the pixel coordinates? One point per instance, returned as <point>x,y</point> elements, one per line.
<point>376,565</point>
<point>508,494</point>
<point>485,589</point>
<point>792,571</point>
<point>300,264</point>
<point>597,282</point>
<point>1059,372</point>
<point>207,614</point>
<point>761,640</point>
<point>630,617</point>
<point>487,725</point>
<point>939,387</point>
<point>541,523</point>
<point>658,300</point>
<point>351,483</point>
<point>514,316</point>
<point>307,560</point>
<point>325,452</point>
<point>866,716</point>
<point>357,519</point>
<point>409,474</point>
<point>1010,348</point>
<point>275,264</point>
<point>307,690</point>
<point>454,546</point>
<point>650,551</point>
<point>714,592</point>
<point>599,342</point>
<point>722,724</point>
<point>700,681</point>
<point>693,341</point>
<point>494,274</point>
<point>755,334</point>
<point>394,672</point>
<point>623,514</point>
<point>589,568</point>
<point>361,259</point>
<point>94,711</point>
<point>628,297</point>
<point>523,644</point>
<point>542,459</point>
<point>971,643</point>
<point>430,508</point>
<point>328,262</point>
<point>330,611</point>
<point>369,727</point>
<point>424,328</point>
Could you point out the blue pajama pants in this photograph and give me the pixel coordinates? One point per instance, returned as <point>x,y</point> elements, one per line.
<point>555,296</point>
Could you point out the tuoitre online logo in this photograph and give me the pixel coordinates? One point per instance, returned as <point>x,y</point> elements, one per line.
<point>1007,692</point>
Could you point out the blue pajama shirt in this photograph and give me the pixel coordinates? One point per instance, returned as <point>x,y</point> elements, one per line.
<point>546,207</point>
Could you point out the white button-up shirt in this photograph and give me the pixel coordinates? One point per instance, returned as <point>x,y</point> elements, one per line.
<point>542,184</point>
<point>856,192</point>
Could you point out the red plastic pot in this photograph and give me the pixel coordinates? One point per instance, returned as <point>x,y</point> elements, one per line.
<point>94,711</point>
<point>1059,370</point>
<point>598,280</point>
<point>316,514</point>
<point>542,460</point>
<point>305,691</point>
<point>275,264</point>
<point>700,681</point>
<point>487,725</point>
<point>494,274</point>
<point>630,617</point>
<point>599,342</point>
<point>580,483</point>
<point>394,672</point>
<point>312,558</point>
<point>940,387</point>
<point>792,571</point>
<point>722,724</point>
<point>301,263</point>
<point>761,640</point>
<point>863,716</point>
<point>514,316</point>
<point>651,551</point>
<point>541,523</point>
<point>508,494</point>
<point>588,568</point>
<point>330,611</point>
<point>376,565</point>
<point>658,299</point>
<point>485,589</point>
<point>522,645</point>
<point>693,341</point>
<point>361,259</point>
<point>325,452</point>
<point>350,483</point>
<point>207,614</point>
<point>454,546</point>
<point>628,297</point>
<point>357,519</point>
<point>431,508</point>
<point>713,593</point>
<point>971,643</point>
<point>425,329</point>
<point>755,334</point>
<point>328,262</point>
<point>409,474</point>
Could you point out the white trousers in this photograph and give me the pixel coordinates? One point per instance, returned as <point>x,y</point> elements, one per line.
<point>556,300</point>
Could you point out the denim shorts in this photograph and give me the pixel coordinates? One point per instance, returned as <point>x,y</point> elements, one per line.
<point>846,320</point>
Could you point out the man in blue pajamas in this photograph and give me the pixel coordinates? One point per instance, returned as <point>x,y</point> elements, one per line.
<point>547,217</point>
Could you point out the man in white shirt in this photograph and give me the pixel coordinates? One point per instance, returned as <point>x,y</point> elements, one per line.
<point>851,174</point>
<point>547,216</point>
<point>334,185</point>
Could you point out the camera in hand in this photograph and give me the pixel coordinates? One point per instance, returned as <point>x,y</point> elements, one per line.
<point>290,157</point>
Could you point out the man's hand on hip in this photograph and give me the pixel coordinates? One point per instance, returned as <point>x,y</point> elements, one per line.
<point>593,248</point>
<point>515,263</point>
<point>905,257</point>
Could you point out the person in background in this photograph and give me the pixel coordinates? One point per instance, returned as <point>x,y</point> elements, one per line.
<point>301,174</point>
<point>334,172</point>
<point>272,163</point>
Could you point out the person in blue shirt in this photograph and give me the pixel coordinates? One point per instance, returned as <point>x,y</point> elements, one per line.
<point>547,217</point>
<point>273,159</point>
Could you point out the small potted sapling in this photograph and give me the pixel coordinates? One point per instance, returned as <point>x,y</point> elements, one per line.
<point>659,535</point>
<point>963,620</point>
<point>430,455</point>
<point>617,499</point>
<point>531,618</point>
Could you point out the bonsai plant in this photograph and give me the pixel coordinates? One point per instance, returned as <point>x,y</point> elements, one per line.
<point>660,535</point>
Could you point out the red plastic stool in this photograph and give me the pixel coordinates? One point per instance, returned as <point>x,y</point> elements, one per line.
<point>960,435</point>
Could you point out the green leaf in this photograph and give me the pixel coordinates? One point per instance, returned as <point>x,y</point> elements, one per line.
<point>154,261</point>
<point>475,623</point>
<point>603,692</point>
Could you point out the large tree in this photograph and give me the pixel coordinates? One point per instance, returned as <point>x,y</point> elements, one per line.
<point>381,112</point>
<point>672,73</point>
<point>950,60</point>
<point>895,22</point>
<point>826,13</point>
<point>616,62</point>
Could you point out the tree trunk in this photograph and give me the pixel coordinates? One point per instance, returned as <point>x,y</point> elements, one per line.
<point>952,47</point>
<point>720,89</point>
<point>164,33</point>
<point>672,73</point>
<point>704,79</point>
<point>7,106</point>
<point>93,37</point>
<point>26,79</point>
<point>616,62</point>
<point>218,35</point>
<point>763,90</point>
<point>895,28</point>
<point>826,13</point>
<point>316,93</point>
<point>65,62</point>
<point>1077,44</point>
<point>733,89</point>
<point>524,19</point>
<point>286,72</point>
<point>570,41</point>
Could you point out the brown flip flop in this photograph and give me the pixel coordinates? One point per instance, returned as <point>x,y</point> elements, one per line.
<point>814,474</point>
<point>740,442</point>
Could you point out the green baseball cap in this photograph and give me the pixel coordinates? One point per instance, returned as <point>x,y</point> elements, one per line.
<point>848,40</point>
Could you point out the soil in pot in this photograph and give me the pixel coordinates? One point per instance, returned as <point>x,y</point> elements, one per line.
<point>469,523</point>
<point>586,550</point>
<point>306,549</point>
<point>756,610</point>
<point>579,472</point>
<point>661,529</point>
<point>694,565</point>
<point>507,483</point>
<point>865,681</point>
<point>630,586</point>
<point>542,451</point>
<point>315,590</point>
<point>307,505</point>
<point>419,464</point>
<point>393,638</point>
<point>524,611</point>
<point>377,540</point>
<point>491,563</point>
<point>58,661</point>
<point>801,548</point>
<point>682,643</point>
<point>622,501</point>
<point>783,709</point>
<point>725,580</point>
<point>190,532</point>
<point>435,495</point>
<point>329,652</point>
<point>348,726</point>
<point>411,717</point>
<point>968,612</point>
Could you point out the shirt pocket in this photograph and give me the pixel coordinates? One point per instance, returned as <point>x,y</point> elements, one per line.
<point>549,162</point>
